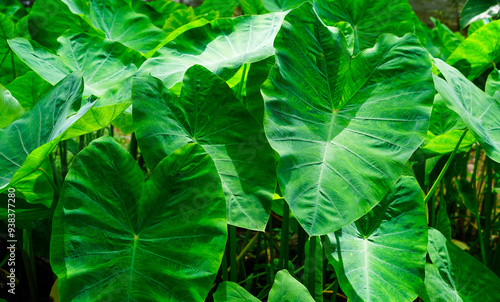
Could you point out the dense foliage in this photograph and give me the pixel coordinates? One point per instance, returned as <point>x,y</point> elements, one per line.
<point>248,150</point>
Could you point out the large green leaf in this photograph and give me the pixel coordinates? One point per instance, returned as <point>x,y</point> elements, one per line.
<point>368,18</point>
<point>10,109</point>
<point>221,46</point>
<point>343,127</point>
<point>455,275</point>
<point>287,289</point>
<point>28,88</point>
<point>381,256</point>
<point>107,75</point>
<point>477,53</point>
<point>478,9</point>
<point>118,237</point>
<point>208,114</point>
<point>478,110</point>
<point>29,140</point>
<point>232,292</point>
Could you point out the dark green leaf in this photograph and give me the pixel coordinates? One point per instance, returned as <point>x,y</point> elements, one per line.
<point>208,114</point>
<point>478,9</point>
<point>116,236</point>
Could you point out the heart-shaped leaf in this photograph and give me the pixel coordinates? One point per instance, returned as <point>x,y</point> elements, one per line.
<point>116,236</point>
<point>287,289</point>
<point>208,114</point>
<point>368,18</point>
<point>455,275</point>
<point>478,110</point>
<point>381,256</point>
<point>31,138</point>
<point>221,46</point>
<point>343,127</point>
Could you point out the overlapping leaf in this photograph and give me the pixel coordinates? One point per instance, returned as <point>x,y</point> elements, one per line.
<point>368,18</point>
<point>116,236</point>
<point>230,291</point>
<point>478,110</point>
<point>454,275</point>
<point>343,127</point>
<point>221,46</point>
<point>107,69</point>
<point>208,114</point>
<point>476,54</point>
<point>10,109</point>
<point>28,88</point>
<point>381,256</point>
<point>31,138</point>
<point>478,9</point>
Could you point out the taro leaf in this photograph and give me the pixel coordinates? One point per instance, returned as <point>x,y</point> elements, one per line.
<point>232,292</point>
<point>287,289</point>
<point>368,18</point>
<point>26,212</point>
<point>37,187</point>
<point>446,142</point>
<point>478,110</point>
<point>221,46</point>
<point>107,75</point>
<point>115,235</point>
<point>455,275</point>
<point>343,127</point>
<point>208,114</point>
<point>443,119</point>
<point>49,19</point>
<point>476,54</point>
<point>31,138</point>
<point>282,5</point>
<point>493,83</point>
<point>381,256</point>
<point>478,9</point>
<point>252,7</point>
<point>79,7</point>
<point>28,88</point>
<point>10,109</point>
<point>162,10</point>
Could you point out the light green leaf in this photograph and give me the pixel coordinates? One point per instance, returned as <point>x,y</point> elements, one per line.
<point>10,109</point>
<point>446,142</point>
<point>28,88</point>
<point>232,292</point>
<point>281,5</point>
<point>368,18</point>
<point>107,76</point>
<point>493,83</point>
<point>343,127</point>
<point>37,187</point>
<point>455,275</point>
<point>478,9</point>
<point>221,46</point>
<point>381,256</point>
<point>208,114</point>
<point>115,235</point>
<point>476,54</point>
<point>478,110</point>
<point>32,137</point>
<point>287,289</point>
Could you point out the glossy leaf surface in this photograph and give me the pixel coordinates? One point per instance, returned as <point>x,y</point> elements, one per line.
<point>115,235</point>
<point>221,46</point>
<point>32,137</point>
<point>478,110</point>
<point>381,256</point>
<point>343,127</point>
<point>207,114</point>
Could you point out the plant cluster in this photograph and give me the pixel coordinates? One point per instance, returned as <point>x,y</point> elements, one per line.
<point>248,150</point>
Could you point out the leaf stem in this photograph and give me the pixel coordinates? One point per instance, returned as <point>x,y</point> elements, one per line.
<point>283,261</point>
<point>232,254</point>
<point>445,168</point>
<point>310,266</point>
